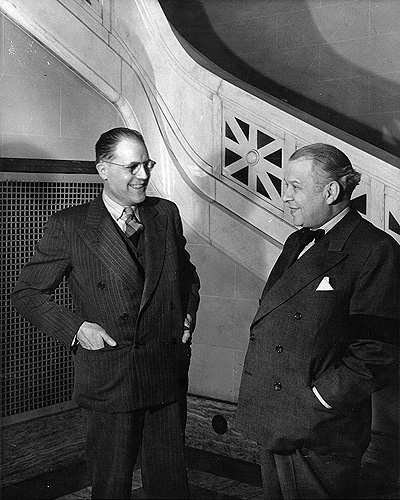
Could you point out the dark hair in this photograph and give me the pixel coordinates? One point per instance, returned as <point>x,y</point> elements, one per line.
<point>332,164</point>
<point>105,146</point>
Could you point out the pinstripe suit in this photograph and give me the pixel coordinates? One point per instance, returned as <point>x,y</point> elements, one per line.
<point>144,314</point>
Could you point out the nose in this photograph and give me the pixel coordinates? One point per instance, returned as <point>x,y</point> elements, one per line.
<point>287,194</point>
<point>142,172</point>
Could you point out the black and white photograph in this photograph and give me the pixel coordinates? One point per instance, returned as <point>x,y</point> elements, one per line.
<point>200,252</point>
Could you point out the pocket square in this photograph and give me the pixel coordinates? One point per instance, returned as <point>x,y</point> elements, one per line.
<point>324,285</point>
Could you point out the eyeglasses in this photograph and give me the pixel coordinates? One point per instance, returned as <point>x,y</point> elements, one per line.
<point>135,166</point>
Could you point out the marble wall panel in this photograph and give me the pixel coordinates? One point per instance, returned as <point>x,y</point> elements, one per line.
<point>385,16</point>
<point>46,110</point>
<point>224,322</point>
<point>211,372</point>
<point>248,247</point>
<point>248,285</point>
<point>217,271</point>
<point>29,106</point>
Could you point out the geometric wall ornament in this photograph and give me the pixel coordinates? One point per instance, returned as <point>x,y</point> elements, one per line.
<point>231,157</point>
<point>361,196</point>
<point>360,203</point>
<point>244,126</point>
<point>253,157</point>
<point>229,133</point>
<point>392,212</point>
<point>394,225</point>
<point>263,139</point>
<point>276,182</point>
<point>242,175</point>
<point>261,189</point>
<point>275,158</point>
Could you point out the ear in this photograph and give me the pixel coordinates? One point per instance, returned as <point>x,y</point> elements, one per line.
<point>102,170</point>
<point>332,192</point>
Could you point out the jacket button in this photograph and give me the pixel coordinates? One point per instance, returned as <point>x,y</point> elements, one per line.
<point>101,285</point>
<point>278,348</point>
<point>246,372</point>
<point>124,316</point>
<point>297,315</point>
<point>252,337</point>
<point>277,386</point>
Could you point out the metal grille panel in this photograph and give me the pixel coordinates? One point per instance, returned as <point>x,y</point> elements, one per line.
<point>37,370</point>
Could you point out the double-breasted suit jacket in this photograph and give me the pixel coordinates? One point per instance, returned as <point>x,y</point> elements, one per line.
<point>142,307</point>
<point>339,340</point>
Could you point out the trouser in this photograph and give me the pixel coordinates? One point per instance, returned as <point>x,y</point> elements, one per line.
<point>113,444</point>
<point>305,474</point>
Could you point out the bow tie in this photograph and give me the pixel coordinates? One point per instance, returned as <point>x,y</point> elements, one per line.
<point>307,235</point>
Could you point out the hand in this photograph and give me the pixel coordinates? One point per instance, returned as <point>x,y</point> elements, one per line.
<point>93,337</point>
<point>186,337</point>
<point>187,331</point>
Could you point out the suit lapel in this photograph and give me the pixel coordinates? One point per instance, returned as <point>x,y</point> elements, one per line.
<point>324,255</point>
<point>155,225</point>
<point>102,237</point>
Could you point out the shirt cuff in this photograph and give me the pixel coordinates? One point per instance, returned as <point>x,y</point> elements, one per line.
<point>321,399</point>
<point>187,322</point>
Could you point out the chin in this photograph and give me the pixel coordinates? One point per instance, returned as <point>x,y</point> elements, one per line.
<point>298,221</point>
<point>139,199</point>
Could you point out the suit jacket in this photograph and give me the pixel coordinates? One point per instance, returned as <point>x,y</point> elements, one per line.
<point>145,317</point>
<point>340,341</point>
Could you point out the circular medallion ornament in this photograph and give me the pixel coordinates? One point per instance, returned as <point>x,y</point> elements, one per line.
<point>252,157</point>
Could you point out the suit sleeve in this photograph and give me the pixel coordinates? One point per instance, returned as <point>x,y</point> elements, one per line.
<point>370,359</point>
<point>190,282</point>
<point>33,294</point>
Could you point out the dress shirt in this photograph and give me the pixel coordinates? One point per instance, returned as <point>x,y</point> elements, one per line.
<point>326,227</point>
<point>117,211</point>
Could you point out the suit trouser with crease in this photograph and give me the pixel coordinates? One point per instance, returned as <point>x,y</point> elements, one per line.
<point>305,474</point>
<point>113,444</point>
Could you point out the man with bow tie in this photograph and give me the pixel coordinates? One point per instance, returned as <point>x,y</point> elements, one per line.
<point>322,339</point>
<point>135,294</point>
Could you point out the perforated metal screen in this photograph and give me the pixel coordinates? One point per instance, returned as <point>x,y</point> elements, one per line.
<point>37,371</point>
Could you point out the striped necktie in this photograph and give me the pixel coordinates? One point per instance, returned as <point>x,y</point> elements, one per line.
<point>132,223</point>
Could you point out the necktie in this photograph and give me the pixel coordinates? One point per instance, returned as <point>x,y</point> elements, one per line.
<point>302,238</point>
<point>291,250</point>
<point>132,223</point>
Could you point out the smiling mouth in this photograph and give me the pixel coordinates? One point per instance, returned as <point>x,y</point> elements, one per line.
<point>137,186</point>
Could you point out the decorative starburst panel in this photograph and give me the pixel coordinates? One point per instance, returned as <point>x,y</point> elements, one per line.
<point>253,158</point>
<point>361,195</point>
<point>392,213</point>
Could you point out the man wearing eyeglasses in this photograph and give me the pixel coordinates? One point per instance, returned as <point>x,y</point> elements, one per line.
<point>135,294</point>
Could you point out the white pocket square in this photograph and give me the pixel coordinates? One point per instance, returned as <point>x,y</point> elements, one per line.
<point>324,285</point>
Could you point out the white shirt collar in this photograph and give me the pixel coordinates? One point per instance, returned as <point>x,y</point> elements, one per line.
<point>332,222</point>
<point>115,209</point>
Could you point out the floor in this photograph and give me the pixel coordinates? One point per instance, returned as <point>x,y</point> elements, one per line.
<point>210,477</point>
<point>203,485</point>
